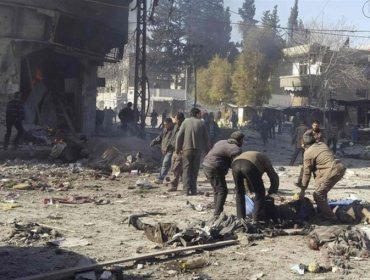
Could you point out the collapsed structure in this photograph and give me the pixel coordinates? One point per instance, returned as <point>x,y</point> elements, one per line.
<point>50,51</point>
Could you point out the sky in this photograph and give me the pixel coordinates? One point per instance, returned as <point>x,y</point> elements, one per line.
<point>327,12</point>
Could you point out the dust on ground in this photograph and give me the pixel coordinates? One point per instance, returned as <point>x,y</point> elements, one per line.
<point>97,225</point>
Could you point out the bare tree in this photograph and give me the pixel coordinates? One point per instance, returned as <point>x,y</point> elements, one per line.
<point>341,69</point>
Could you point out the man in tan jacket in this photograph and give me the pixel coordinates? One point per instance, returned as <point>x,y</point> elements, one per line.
<point>319,159</point>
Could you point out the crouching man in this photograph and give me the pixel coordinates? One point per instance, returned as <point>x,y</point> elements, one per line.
<point>249,167</point>
<point>216,165</point>
<point>319,160</point>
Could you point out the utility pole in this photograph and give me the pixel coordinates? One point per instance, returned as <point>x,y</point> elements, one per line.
<point>140,62</point>
<point>195,83</point>
<point>309,99</point>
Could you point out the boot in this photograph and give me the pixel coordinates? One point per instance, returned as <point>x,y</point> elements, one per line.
<point>322,205</point>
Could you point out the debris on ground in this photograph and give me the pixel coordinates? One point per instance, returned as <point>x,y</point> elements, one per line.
<point>187,264</point>
<point>129,153</point>
<point>199,207</point>
<point>69,242</point>
<point>143,183</point>
<point>159,233</point>
<point>75,199</point>
<point>341,241</point>
<point>31,233</point>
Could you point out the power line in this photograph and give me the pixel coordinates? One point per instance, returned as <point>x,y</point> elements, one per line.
<point>285,28</point>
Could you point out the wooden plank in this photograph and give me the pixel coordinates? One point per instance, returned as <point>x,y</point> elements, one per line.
<point>66,116</point>
<point>55,275</point>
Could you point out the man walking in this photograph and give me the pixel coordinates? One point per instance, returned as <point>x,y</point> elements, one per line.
<point>298,141</point>
<point>250,167</point>
<point>166,148</point>
<point>319,159</point>
<point>191,140</point>
<point>216,165</point>
<point>13,117</point>
<point>127,117</point>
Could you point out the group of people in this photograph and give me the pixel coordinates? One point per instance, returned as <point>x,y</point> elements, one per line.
<point>266,125</point>
<point>184,142</point>
<point>104,119</point>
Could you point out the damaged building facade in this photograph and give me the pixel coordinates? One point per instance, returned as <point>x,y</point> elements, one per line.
<point>50,51</point>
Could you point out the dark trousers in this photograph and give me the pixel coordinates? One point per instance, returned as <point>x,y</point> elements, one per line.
<point>245,170</point>
<point>190,169</point>
<point>10,122</point>
<point>295,154</point>
<point>334,141</point>
<point>218,182</point>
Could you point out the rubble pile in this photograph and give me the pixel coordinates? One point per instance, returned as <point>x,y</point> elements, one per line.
<point>130,153</point>
<point>29,234</point>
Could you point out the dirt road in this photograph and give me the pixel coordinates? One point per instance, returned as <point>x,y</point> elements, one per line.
<point>100,226</point>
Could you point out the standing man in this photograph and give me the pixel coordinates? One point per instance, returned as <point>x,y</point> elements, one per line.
<point>13,117</point>
<point>191,140</point>
<point>216,164</point>
<point>154,119</point>
<point>176,158</point>
<point>327,172</point>
<point>218,115</point>
<point>212,128</point>
<point>166,148</point>
<point>164,116</point>
<point>234,120</point>
<point>264,131</point>
<point>298,141</point>
<point>250,167</point>
<point>333,136</point>
<point>316,131</point>
<point>127,117</point>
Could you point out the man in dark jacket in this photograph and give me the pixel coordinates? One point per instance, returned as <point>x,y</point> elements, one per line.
<point>14,116</point>
<point>250,166</point>
<point>191,140</point>
<point>127,117</point>
<point>164,139</point>
<point>216,164</point>
<point>319,159</point>
<point>298,142</point>
<point>176,159</point>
